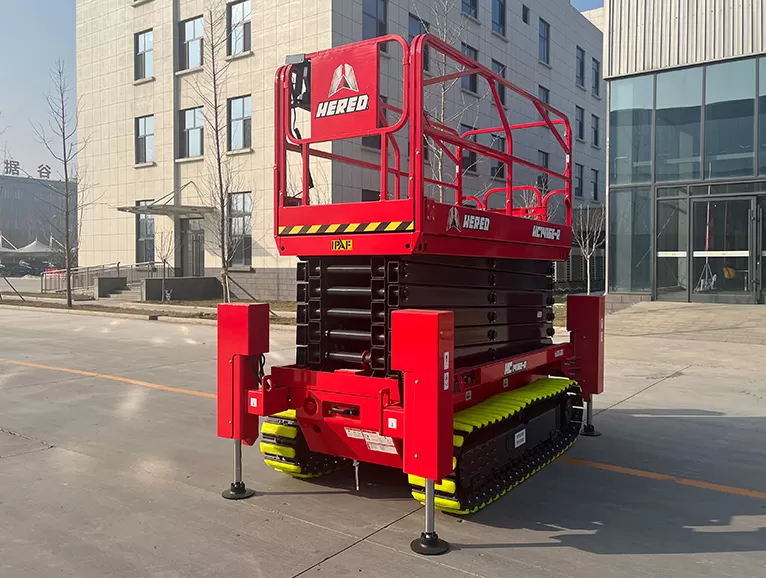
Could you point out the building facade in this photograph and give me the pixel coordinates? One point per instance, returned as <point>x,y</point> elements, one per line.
<point>32,209</point>
<point>143,76</point>
<point>687,149</point>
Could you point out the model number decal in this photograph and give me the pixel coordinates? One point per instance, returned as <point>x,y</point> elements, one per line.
<point>342,245</point>
<point>512,367</point>
<point>550,233</point>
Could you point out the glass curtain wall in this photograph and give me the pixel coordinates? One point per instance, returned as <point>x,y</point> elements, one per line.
<point>682,127</point>
<point>679,124</point>
<point>729,119</point>
<point>630,130</point>
<point>630,242</point>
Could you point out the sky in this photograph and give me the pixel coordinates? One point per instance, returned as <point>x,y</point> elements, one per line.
<point>33,35</point>
<point>581,4</point>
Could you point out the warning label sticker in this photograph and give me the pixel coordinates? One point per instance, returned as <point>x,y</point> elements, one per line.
<point>354,433</point>
<point>520,438</point>
<point>375,442</point>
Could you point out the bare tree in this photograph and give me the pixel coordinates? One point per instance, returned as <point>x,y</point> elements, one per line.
<point>588,234</point>
<point>221,177</point>
<point>443,21</point>
<point>60,138</point>
<point>164,247</point>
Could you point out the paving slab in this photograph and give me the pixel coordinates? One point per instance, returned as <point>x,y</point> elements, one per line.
<point>103,475</point>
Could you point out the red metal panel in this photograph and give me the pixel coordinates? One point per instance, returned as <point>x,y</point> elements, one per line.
<point>463,222</point>
<point>367,244</point>
<point>345,90</point>
<point>243,331</point>
<point>585,319</point>
<point>422,348</point>
<point>347,213</point>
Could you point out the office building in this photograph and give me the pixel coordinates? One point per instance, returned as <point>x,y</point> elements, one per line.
<point>687,149</point>
<point>140,66</point>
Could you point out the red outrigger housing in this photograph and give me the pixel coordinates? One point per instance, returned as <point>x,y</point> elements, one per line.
<point>393,335</point>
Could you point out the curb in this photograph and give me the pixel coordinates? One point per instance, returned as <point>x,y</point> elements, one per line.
<point>135,316</point>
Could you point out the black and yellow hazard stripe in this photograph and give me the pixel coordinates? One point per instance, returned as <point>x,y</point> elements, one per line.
<point>453,499</point>
<point>284,448</point>
<point>348,228</point>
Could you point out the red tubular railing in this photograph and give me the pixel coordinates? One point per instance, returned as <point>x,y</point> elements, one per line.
<point>445,138</point>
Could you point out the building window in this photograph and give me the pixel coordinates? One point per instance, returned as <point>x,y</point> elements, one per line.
<point>525,14</point>
<point>192,132</point>
<point>498,167</point>
<point>192,34</point>
<point>370,195</point>
<point>471,7</point>
<point>631,103</point>
<point>595,133</point>
<point>145,139</point>
<point>595,69</point>
<point>544,42</point>
<point>630,240</point>
<point>678,125</point>
<point>240,123</point>
<point>543,94</point>
<point>144,235</point>
<point>729,119</point>
<point>579,123</point>
<point>594,184</point>
<point>374,141</point>
<point>415,27</point>
<point>498,16</point>
<point>499,69</point>
<point>144,49</point>
<point>469,156</point>
<point>578,177</point>
<point>375,20</point>
<point>542,179</point>
<point>580,67</point>
<point>469,82</point>
<point>241,229</point>
<point>240,27</point>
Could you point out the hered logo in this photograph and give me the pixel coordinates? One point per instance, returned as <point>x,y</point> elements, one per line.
<point>343,77</point>
<point>349,78</point>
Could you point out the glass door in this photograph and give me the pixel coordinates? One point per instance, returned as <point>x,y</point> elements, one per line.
<point>723,265</point>
<point>672,243</point>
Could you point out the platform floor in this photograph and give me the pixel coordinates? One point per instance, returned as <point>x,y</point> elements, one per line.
<point>110,467</point>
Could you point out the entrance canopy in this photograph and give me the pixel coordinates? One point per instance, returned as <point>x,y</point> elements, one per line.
<point>180,211</point>
<point>165,207</point>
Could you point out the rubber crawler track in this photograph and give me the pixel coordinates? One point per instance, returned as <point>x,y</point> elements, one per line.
<point>285,449</point>
<point>508,409</point>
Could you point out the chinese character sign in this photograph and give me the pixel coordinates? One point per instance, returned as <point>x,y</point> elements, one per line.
<point>11,168</point>
<point>44,171</point>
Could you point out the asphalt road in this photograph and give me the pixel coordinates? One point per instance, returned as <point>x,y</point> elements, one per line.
<point>107,469</point>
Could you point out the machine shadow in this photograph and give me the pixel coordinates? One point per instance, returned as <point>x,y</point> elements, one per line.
<point>603,512</point>
<point>375,482</point>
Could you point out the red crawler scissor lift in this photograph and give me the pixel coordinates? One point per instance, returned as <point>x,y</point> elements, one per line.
<point>424,318</point>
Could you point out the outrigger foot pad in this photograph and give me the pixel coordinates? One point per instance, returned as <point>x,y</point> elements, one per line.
<point>238,491</point>
<point>429,545</point>
<point>589,431</point>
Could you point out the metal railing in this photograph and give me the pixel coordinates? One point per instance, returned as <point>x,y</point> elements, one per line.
<point>54,280</point>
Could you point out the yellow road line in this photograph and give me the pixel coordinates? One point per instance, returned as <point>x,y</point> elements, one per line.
<point>111,378</point>
<point>664,477</point>
<point>574,461</point>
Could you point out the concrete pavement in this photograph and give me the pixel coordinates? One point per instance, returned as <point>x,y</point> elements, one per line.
<point>103,476</point>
